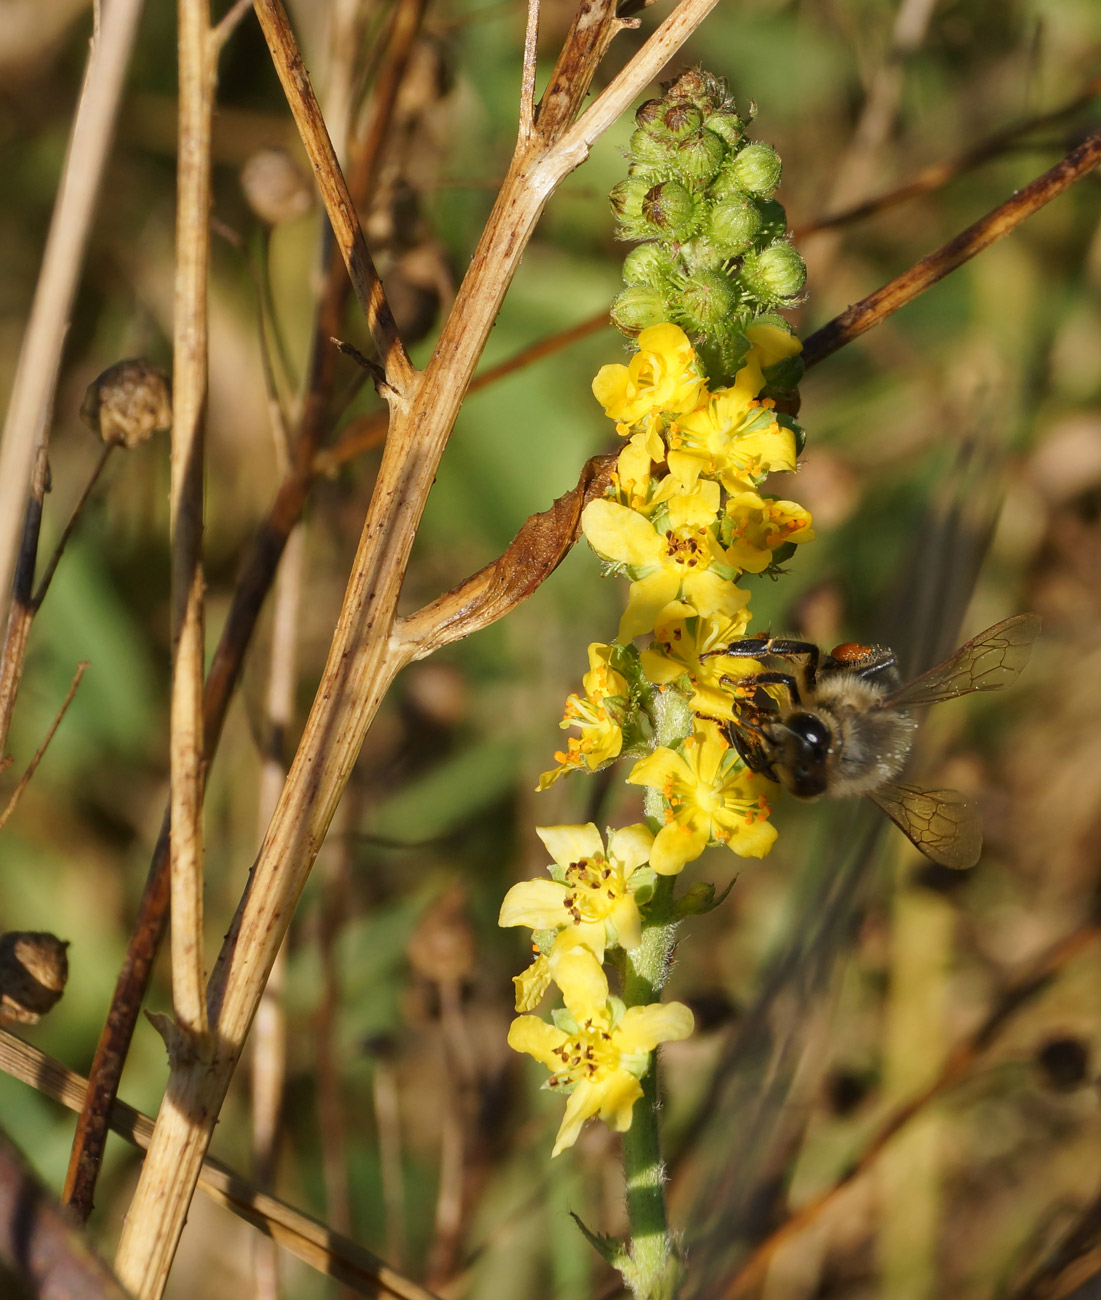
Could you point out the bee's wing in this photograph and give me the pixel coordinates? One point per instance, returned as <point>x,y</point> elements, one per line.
<point>941,823</point>
<point>987,662</point>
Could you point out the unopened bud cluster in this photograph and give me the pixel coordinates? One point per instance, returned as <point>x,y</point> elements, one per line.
<point>713,255</point>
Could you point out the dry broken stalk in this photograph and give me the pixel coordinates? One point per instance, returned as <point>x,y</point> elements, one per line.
<point>364,656</point>
<point>40,355</point>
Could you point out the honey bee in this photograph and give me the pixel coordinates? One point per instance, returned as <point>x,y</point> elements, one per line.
<point>840,725</point>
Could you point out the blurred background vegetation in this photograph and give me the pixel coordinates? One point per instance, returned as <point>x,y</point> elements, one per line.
<point>957,446</point>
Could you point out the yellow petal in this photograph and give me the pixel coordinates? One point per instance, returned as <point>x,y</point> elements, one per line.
<point>664,766</point>
<point>583,983</point>
<point>677,845</point>
<point>642,1028</point>
<point>582,1103</point>
<point>534,1036</point>
<point>568,844</point>
<point>534,903</point>
<point>620,534</point>
<point>617,1100</point>
<point>647,598</point>
<point>630,845</point>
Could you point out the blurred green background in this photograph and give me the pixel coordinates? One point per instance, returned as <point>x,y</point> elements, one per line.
<point>958,445</point>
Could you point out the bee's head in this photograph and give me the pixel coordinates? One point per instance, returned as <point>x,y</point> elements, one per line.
<point>804,741</point>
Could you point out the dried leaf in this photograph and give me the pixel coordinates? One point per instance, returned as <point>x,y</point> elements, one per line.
<point>537,550</point>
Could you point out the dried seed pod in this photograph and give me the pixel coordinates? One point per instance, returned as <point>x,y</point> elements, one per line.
<point>275,187</point>
<point>128,403</point>
<point>33,971</point>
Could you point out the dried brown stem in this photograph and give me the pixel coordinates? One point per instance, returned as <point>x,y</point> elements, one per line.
<point>313,1242</point>
<point>338,201</point>
<point>21,614</point>
<point>26,425</point>
<point>1073,1268</point>
<point>70,528</point>
<point>875,308</point>
<point>32,766</point>
<point>1025,986</point>
<point>222,677</point>
<point>362,660</point>
<point>197,74</point>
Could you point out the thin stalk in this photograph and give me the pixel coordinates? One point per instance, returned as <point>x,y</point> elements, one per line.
<point>196,93</point>
<point>362,660</point>
<point>26,427</point>
<point>653,1269</point>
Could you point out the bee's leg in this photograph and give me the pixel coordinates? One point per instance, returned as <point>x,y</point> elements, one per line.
<point>786,680</point>
<point>776,647</point>
<point>751,750</point>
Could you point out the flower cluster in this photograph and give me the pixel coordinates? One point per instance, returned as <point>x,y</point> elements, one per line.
<point>687,515</point>
<point>699,195</point>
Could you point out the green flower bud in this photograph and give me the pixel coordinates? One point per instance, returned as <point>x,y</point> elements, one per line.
<point>775,273</point>
<point>647,152</point>
<point>626,199</point>
<point>733,225</point>
<point>701,253</point>
<point>670,210</point>
<point>696,900</point>
<point>668,123</point>
<point>722,357</point>
<point>699,158</point>
<point>727,125</point>
<point>774,222</point>
<point>650,264</point>
<point>637,308</point>
<point>756,169</point>
<point>699,88</point>
<point>707,301</point>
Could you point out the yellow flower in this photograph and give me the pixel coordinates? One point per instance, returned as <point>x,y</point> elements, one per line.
<point>664,375</point>
<point>685,643</point>
<point>710,797</point>
<point>592,896</point>
<point>731,437</point>
<point>759,525</point>
<point>683,562</point>
<point>771,344</point>
<point>597,713</point>
<point>597,1051</point>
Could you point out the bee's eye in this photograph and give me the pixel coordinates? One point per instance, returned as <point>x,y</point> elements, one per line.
<point>806,751</point>
<point>812,736</point>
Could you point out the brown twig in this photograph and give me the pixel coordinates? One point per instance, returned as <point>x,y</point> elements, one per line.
<point>877,306</point>
<point>26,426</point>
<point>32,766</point>
<point>338,201</point>
<point>70,527</point>
<point>21,614</point>
<point>536,551</point>
<point>223,674</point>
<point>315,1243</point>
<point>1072,1266</point>
<point>962,1060</point>
<point>363,660</point>
<point>197,76</point>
